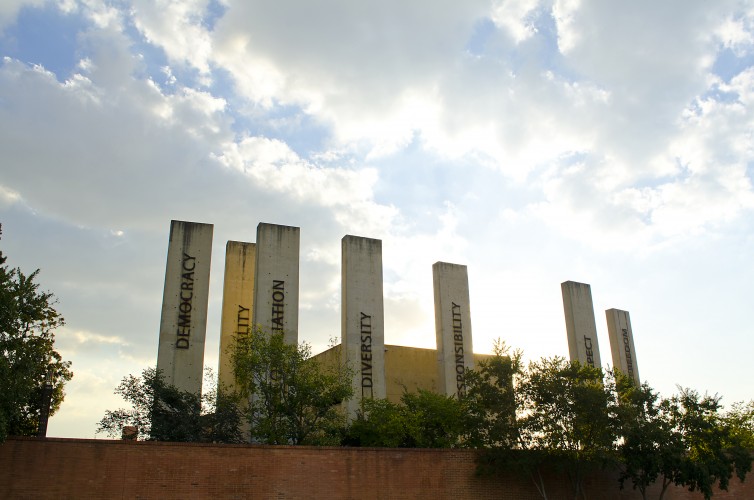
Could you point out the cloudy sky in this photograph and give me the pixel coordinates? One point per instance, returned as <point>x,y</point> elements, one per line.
<point>536,141</point>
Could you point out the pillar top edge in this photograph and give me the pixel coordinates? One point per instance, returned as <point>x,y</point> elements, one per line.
<point>574,283</point>
<point>234,242</point>
<point>175,221</point>
<point>364,238</point>
<point>615,309</point>
<point>281,226</point>
<point>440,263</point>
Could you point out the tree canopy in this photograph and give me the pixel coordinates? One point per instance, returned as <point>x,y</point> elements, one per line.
<point>28,320</point>
<point>162,412</point>
<point>292,398</point>
<point>558,415</point>
<point>422,419</point>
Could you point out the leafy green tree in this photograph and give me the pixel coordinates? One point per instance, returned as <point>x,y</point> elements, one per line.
<point>650,447</point>
<point>435,420</point>
<point>293,399</point>
<point>380,423</point>
<point>162,412</point>
<point>491,400</point>
<point>740,420</point>
<point>28,320</point>
<point>567,418</point>
<point>422,419</point>
<point>713,450</point>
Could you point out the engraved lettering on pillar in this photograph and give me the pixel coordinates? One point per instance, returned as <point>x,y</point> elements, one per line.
<point>278,305</point>
<point>365,327</point>
<point>457,323</point>
<point>589,351</point>
<point>243,321</point>
<point>183,332</point>
<point>629,358</point>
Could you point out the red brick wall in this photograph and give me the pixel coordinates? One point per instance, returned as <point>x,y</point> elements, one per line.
<point>81,469</point>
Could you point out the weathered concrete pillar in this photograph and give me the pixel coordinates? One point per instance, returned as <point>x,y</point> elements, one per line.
<point>183,325</point>
<point>622,343</point>
<point>580,325</point>
<point>276,280</point>
<point>238,301</point>
<point>363,318</point>
<point>455,353</point>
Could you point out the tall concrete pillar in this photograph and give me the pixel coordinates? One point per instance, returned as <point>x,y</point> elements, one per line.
<point>455,352</point>
<point>276,280</point>
<point>580,324</point>
<point>238,301</point>
<point>622,343</point>
<point>363,318</point>
<point>183,325</point>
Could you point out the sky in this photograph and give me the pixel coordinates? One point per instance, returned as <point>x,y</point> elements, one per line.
<point>536,141</point>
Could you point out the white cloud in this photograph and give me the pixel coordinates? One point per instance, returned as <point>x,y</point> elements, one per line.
<point>564,12</point>
<point>356,66</point>
<point>175,25</point>
<point>273,165</point>
<point>513,15</point>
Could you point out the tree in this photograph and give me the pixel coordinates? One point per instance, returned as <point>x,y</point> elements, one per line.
<point>685,439</point>
<point>162,412</point>
<point>379,423</point>
<point>491,400</point>
<point>740,420</point>
<point>567,419</point>
<point>422,419</point>
<point>435,420</point>
<point>650,447</point>
<point>293,399</point>
<point>27,343</point>
<point>713,449</point>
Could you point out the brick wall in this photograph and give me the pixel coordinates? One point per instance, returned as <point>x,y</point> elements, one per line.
<point>82,469</point>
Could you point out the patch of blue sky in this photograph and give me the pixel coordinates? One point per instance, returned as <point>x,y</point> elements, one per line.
<point>303,133</point>
<point>215,11</point>
<point>716,94</point>
<point>288,123</point>
<point>539,52</point>
<point>428,182</point>
<point>652,181</point>
<point>484,29</point>
<point>47,37</point>
<point>154,60</point>
<point>547,51</point>
<point>728,64</point>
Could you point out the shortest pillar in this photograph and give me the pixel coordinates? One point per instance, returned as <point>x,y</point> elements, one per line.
<point>622,343</point>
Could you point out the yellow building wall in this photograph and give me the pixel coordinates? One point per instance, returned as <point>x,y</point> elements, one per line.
<point>406,368</point>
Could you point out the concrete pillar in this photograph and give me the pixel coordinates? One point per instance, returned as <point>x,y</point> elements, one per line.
<point>580,324</point>
<point>276,280</point>
<point>183,325</point>
<point>455,353</point>
<point>622,343</point>
<point>363,318</point>
<point>238,301</point>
